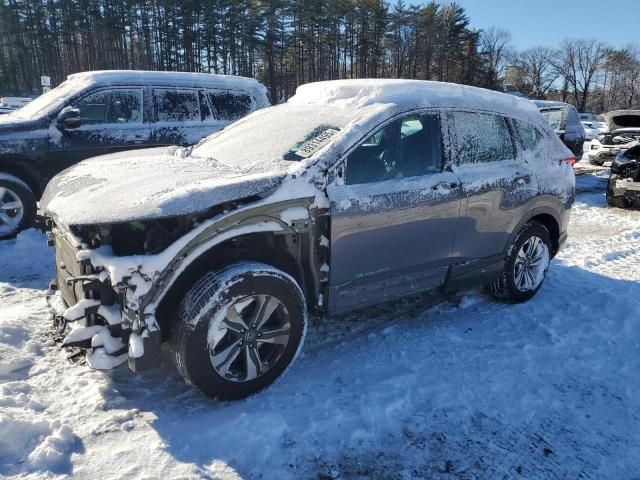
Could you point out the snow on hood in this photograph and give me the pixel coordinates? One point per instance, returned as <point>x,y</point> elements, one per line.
<point>622,119</point>
<point>147,184</point>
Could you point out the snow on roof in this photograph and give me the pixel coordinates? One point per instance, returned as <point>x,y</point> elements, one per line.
<point>550,104</point>
<point>170,78</point>
<point>416,94</point>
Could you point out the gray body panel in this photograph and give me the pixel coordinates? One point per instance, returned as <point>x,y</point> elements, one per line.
<point>394,242</point>
<point>494,201</point>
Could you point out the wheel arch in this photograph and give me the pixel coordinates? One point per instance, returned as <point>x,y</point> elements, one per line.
<point>21,168</point>
<point>280,250</point>
<point>548,218</point>
<point>553,226</point>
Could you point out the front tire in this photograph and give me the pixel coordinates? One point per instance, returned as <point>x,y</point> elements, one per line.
<point>618,201</point>
<point>17,206</point>
<point>526,265</point>
<point>239,330</point>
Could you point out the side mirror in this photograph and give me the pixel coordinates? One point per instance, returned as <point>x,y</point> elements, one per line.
<point>69,118</point>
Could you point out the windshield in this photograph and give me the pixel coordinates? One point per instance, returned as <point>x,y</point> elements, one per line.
<point>276,135</point>
<point>47,102</point>
<point>554,117</point>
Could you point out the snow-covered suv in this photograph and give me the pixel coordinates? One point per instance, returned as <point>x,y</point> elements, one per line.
<point>350,194</point>
<point>95,113</point>
<point>565,120</point>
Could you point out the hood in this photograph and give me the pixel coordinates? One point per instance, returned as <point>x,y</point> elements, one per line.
<point>145,185</point>
<point>9,123</point>
<point>622,119</point>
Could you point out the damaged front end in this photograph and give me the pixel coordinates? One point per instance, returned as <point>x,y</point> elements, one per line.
<point>111,279</point>
<point>625,174</point>
<point>93,314</point>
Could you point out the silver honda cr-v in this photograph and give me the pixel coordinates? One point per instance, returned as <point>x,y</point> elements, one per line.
<point>350,194</point>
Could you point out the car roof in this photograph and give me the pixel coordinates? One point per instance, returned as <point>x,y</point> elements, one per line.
<point>551,104</point>
<point>415,94</point>
<point>186,79</point>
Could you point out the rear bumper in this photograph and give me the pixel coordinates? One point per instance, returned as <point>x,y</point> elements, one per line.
<point>622,186</point>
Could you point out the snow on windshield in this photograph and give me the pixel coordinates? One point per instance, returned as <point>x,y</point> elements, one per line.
<point>49,101</point>
<point>285,133</point>
<point>554,117</point>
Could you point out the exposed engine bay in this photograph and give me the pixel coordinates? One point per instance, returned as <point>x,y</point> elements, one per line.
<point>619,138</point>
<point>624,182</point>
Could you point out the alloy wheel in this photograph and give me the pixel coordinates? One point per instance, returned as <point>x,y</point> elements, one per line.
<point>249,337</point>
<point>11,210</point>
<point>531,264</point>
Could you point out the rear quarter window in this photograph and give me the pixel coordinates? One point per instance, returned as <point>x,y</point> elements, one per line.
<point>530,137</point>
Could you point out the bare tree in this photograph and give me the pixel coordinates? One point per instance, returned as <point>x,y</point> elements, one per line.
<point>494,47</point>
<point>578,61</point>
<point>537,70</point>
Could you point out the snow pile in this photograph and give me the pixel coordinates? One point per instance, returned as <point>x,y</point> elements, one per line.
<point>42,445</point>
<point>461,387</point>
<point>414,94</point>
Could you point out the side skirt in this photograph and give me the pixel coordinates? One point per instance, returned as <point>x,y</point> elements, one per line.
<point>474,273</point>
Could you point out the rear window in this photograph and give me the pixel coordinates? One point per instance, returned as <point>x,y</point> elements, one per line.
<point>554,117</point>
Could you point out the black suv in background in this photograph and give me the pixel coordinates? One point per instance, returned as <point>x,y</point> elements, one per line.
<point>95,113</point>
<point>565,120</point>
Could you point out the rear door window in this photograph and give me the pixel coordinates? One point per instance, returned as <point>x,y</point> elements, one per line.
<point>229,104</point>
<point>111,106</point>
<point>176,105</point>
<point>481,138</point>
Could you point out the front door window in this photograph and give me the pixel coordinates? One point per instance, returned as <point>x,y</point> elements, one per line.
<point>406,147</point>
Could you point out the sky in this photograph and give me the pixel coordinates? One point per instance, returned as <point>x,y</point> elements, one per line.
<point>548,22</point>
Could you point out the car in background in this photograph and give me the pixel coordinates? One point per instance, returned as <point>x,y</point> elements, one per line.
<point>585,116</point>
<point>9,104</point>
<point>624,132</point>
<point>623,187</point>
<point>589,131</point>
<point>593,129</point>
<point>95,113</point>
<point>352,193</point>
<point>564,119</point>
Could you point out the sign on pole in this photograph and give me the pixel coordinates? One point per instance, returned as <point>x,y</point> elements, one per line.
<point>45,81</point>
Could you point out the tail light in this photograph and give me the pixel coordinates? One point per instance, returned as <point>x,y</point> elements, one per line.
<point>571,161</point>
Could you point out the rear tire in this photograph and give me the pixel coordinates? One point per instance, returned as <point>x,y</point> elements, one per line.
<point>17,206</point>
<point>239,330</point>
<point>526,265</point>
<point>618,201</point>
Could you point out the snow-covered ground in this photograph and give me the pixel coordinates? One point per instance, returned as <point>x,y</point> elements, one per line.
<point>444,388</point>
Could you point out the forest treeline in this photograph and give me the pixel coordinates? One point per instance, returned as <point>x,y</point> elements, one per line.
<point>285,43</point>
